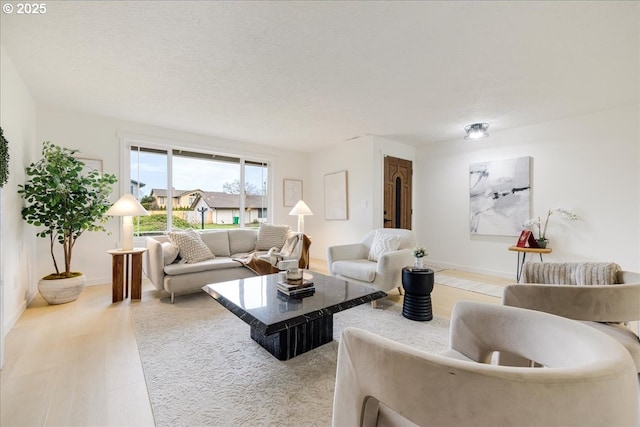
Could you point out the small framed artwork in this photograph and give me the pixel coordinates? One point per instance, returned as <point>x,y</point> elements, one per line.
<point>335,196</point>
<point>91,165</point>
<point>292,191</point>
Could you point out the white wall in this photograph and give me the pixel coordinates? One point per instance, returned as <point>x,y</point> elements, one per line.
<point>98,137</point>
<point>589,164</point>
<point>355,157</point>
<point>17,265</point>
<point>363,159</point>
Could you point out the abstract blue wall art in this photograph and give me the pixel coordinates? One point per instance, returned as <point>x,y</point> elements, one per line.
<point>499,192</point>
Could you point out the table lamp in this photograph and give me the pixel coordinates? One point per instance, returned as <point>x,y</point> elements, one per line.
<point>301,209</point>
<point>127,207</point>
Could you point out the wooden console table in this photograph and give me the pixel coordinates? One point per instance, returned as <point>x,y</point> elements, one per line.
<point>121,259</point>
<point>524,252</point>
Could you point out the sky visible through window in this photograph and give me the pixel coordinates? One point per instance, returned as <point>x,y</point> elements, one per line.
<point>188,173</point>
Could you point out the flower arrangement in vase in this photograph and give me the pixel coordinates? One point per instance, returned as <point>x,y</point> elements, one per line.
<point>542,240</point>
<point>418,254</point>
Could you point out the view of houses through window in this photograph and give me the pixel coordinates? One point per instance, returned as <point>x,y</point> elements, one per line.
<point>185,189</point>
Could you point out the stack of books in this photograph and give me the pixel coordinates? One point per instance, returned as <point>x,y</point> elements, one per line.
<point>297,288</point>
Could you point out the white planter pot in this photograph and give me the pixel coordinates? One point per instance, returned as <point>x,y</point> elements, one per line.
<point>61,291</point>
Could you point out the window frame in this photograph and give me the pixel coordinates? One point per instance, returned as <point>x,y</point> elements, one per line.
<point>128,140</point>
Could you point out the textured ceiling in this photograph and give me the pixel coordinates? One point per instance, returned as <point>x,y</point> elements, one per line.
<point>302,75</point>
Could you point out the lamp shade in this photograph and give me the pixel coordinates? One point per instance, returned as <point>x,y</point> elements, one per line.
<point>127,205</point>
<point>301,208</point>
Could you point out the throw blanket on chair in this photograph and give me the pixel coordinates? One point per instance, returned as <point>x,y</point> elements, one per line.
<point>262,267</point>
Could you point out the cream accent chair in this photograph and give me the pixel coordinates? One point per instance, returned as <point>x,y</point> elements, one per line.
<point>589,379</point>
<point>603,307</point>
<point>350,262</point>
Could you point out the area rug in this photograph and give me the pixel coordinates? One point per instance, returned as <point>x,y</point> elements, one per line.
<point>469,285</point>
<point>202,368</point>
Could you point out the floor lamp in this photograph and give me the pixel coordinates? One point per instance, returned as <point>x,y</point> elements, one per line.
<point>127,207</point>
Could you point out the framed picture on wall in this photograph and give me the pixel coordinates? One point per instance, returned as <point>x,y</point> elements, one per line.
<point>335,196</point>
<point>90,165</point>
<point>499,194</point>
<point>292,191</point>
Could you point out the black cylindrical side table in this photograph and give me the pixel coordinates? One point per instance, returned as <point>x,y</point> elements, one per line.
<point>417,284</point>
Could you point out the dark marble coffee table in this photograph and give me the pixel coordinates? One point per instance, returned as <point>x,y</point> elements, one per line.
<point>284,326</point>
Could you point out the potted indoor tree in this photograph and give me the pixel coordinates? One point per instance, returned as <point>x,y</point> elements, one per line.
<point>64,200</point>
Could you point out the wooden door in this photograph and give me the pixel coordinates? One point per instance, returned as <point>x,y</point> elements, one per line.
<point>397,193</point>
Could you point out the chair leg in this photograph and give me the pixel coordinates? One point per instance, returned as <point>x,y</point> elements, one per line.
<point>374,304</point>
<point>400,290</point>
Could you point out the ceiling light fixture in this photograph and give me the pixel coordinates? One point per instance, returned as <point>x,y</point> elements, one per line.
<point>476,130</point>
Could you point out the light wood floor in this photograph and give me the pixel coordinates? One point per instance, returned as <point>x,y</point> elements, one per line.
<point>77,364</point>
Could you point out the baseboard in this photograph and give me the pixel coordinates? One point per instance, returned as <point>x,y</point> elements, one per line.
<point>11,323</point>
<point>99,281</point>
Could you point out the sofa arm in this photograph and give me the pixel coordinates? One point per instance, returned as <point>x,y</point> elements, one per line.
<point>345,252</point>
<point>154,263</point>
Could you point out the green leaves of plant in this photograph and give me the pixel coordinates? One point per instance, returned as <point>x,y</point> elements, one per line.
<point>63,198</point>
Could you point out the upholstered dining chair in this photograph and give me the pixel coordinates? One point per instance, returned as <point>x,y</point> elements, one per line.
<point>377,260</point>
<point>588,378</point>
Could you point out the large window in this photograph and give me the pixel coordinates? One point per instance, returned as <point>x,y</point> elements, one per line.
<point>187,189</point>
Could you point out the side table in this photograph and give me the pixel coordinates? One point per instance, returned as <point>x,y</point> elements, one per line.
<point>417,284</point>
<point>524,252</point>
<point>121,259</point>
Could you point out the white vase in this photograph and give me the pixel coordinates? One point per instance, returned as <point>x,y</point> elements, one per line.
<point>418,262</point>
<point>61,291</point>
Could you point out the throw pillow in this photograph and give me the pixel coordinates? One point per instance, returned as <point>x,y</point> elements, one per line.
<point>192,248</point>
<point>597,273</point>
<point>169,252</point>
<point>382,243</point>
<point>271,236</point>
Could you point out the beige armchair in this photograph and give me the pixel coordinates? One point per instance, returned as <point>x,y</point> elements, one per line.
<point>594,294</point>
<point>355,263</point>
<point>589,380</point>
<point>603,307</point>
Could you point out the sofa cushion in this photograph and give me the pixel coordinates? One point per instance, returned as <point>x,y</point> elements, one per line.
<point>192,248</point>
<point>382,243</point>
<point>271,236</point>
<point>359,269</point>
<point>217,242</point>
<point>208,265</point>
<point>242,240</point>
<point>169,252</point>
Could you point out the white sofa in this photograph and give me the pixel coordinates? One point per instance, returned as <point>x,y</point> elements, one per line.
<point>178,277</point>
